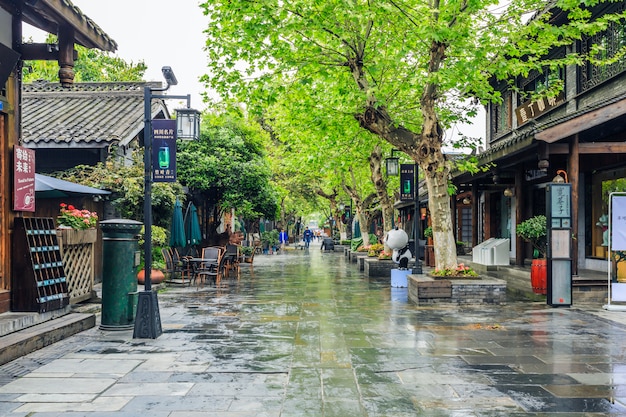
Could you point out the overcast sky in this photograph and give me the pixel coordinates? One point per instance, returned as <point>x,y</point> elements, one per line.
<point>170,33</point>
<point>159,32</point>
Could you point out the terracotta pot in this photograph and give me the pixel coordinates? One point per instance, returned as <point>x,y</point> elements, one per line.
<point>156,276</point>
<point>539,276</point>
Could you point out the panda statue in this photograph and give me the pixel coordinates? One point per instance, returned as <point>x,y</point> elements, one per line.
<point>398,241</point>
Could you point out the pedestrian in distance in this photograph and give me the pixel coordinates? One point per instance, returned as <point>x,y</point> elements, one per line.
<point>282,239</point>
<point>307,236</point>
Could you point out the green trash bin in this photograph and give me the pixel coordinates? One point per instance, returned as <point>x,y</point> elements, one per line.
<point>120,255</point>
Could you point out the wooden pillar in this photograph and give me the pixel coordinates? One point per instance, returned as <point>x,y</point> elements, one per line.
<point>520,245</point>
<point>475,207</point>
<point>66,55</point>
<point>573,173</point>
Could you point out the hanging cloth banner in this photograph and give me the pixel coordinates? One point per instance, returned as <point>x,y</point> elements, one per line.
<point>164,150</point>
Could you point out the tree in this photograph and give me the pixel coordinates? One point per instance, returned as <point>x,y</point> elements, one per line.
<point>227,165</point>
<point>402,70</point>
<point>126,183</point>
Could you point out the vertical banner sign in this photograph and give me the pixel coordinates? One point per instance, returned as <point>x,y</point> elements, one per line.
<point>407,182</point>
<point>559,214</point>
<point>163,150</point>
<point>23,179</point>
<point>618,223</point>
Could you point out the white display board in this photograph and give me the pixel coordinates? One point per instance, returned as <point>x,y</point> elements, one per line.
<point>617,242</point>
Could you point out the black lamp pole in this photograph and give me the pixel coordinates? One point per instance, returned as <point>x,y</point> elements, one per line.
<point>417,268</point>
<point>148,319</point>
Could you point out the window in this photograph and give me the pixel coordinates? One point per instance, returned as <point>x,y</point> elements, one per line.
<point>539,82</point>
<point>501,116</point>
<point>611,48</point>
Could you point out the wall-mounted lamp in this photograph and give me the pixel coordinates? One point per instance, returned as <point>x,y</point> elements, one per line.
<point>509,192</point>
<point>467,201</point>
<point>423,213</point>
<point>543,164</point>
<point>392,164</point>
<point>496,178</point>
<point>561,177</point>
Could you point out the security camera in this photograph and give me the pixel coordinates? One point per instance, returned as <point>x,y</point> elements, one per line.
<point>169,76</point>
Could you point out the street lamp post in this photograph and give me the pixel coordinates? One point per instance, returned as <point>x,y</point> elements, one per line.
<point>148,320</point>
<point>393,169</point>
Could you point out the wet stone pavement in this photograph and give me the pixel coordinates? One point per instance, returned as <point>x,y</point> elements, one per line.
<point>304,333</point>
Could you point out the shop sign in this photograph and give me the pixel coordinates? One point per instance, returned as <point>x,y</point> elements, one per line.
<point>23,179</point>
<point>533,109</point>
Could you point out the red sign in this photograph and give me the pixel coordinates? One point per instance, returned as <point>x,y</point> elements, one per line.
<point>23,179</point>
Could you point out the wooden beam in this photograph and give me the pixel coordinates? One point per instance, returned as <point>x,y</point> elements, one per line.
<point>42,52</point>
<point>588,148</point>
<point>583,122</point>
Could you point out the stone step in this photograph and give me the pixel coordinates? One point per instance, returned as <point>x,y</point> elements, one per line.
<point>29,339</point>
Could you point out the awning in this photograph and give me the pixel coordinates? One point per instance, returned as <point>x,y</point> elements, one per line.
<point>49,187</point>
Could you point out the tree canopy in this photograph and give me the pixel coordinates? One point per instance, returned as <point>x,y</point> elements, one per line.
<point>402,71</point>
<point>228,165</point>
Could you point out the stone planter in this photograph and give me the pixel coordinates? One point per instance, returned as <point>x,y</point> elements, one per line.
<point>425,290</point>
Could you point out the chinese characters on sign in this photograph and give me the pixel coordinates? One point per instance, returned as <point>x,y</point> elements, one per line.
<point>407,182</point>
<point>532,109</point>
<point>23,179</point>
<point>561,210</point>
<point>163,150</point>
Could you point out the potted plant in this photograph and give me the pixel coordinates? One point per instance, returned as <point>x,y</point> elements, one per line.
<point>159,240</point>
<point>248,253</point>
<point>535,231</point>
<point>428,234</point>
<point>269,240</point>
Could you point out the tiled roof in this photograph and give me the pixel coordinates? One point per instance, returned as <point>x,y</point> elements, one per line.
<point>93,115</point>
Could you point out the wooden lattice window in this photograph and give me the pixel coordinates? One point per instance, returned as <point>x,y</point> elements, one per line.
<point>612,44</point>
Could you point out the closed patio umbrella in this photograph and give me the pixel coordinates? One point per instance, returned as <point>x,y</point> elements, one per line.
<point>177,231</point>
<point>192,226</point>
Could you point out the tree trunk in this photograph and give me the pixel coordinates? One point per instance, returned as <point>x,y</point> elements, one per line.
<point>363,227</point>
<point>386,204</point>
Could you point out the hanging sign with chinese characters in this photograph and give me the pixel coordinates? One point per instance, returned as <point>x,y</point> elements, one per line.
<point>163,150</point>
<point>23,179</point>
<point>533,109</point>
<point>407,182</point>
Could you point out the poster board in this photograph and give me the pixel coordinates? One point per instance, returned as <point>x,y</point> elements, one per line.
<point>617,242</point>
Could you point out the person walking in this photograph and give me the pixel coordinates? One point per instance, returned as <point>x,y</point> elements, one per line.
<point>283,239</point>
<point>307,236</point>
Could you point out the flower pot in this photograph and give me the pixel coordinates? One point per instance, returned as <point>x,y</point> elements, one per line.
<point>539,276</point>
<point>156,276</point>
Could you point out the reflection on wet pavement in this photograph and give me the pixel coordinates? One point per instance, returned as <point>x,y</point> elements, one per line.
<point>305,334</point>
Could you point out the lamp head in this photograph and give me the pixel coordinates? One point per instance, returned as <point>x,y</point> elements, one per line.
<point>169,76</point>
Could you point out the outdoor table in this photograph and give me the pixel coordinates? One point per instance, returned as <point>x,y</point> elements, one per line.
<point>197,263</point>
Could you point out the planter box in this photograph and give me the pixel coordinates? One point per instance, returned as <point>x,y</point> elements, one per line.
<point>427,290</point>
<point>375,267</point>
<point>77,237</point>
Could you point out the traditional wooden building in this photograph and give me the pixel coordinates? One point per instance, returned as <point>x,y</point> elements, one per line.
<point>578,136</point>
<point>85,123</point>
<point>59,17</point>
